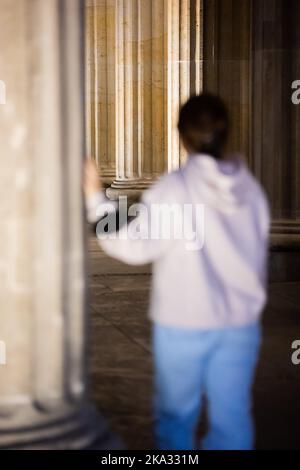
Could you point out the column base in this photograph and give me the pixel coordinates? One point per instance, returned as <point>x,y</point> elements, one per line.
<point>285,251</point>
<point>28,427</point>
<point>132,188</point>
<point>108,176</point>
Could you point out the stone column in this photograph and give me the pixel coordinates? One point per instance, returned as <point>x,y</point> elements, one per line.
<point>157,55</point>
<point>276,145</point>
<point>43,396</point>
<point>184,56</point>
<point>155,59</point>
<point>100,85</point>
<point>251,57</point>
<point>227,63</point>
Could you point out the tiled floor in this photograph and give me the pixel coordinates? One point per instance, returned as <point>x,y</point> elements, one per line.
<point>121,368</point>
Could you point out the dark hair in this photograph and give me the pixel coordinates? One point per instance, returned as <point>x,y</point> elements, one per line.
<point>204,124</point>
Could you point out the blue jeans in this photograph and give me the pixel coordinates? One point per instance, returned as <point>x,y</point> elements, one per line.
<point>218,363</point>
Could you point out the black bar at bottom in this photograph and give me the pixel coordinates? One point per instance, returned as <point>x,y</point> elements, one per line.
<point>135,459</point>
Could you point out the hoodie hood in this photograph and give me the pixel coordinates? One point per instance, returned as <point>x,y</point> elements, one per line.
<point>223,184</point>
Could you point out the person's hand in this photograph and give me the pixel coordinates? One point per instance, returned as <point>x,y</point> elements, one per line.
<point>91,180</point>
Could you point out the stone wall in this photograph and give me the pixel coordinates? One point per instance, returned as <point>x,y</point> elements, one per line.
<point>145,57</point>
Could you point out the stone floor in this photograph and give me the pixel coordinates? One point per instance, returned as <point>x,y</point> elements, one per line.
<point>121,369</point>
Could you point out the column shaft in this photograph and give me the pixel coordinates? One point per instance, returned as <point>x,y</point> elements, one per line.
<point>100,84</point>
<point>227,63</point>
<point>43,401</point>
<point>275,117</point>
<point>158,63</point>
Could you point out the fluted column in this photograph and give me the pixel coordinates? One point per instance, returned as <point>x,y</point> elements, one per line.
<point>227,63</point>
<point>158,63</point>
<point>100,84</point>
<point>251,57</point>
<point>276,143</point>
<point>184,58</point>
<point>43,397</point>
<point>128,89</point>
<point>155,59</point>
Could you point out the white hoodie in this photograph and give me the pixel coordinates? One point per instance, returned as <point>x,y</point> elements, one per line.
<point>224,283</point>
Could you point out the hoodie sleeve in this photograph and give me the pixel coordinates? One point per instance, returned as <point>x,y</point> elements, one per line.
<point>130,242</point>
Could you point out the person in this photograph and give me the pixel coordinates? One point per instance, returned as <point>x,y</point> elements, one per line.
<point>206,303</point>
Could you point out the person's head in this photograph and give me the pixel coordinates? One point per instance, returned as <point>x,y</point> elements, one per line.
<point>204,125</point>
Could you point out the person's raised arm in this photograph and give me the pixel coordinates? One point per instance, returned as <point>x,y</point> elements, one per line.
<point>125,236</point>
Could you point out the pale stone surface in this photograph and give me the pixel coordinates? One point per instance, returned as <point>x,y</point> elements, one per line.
<point>100,84</point>
<point>42,275</point>
<point>146,60</point>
